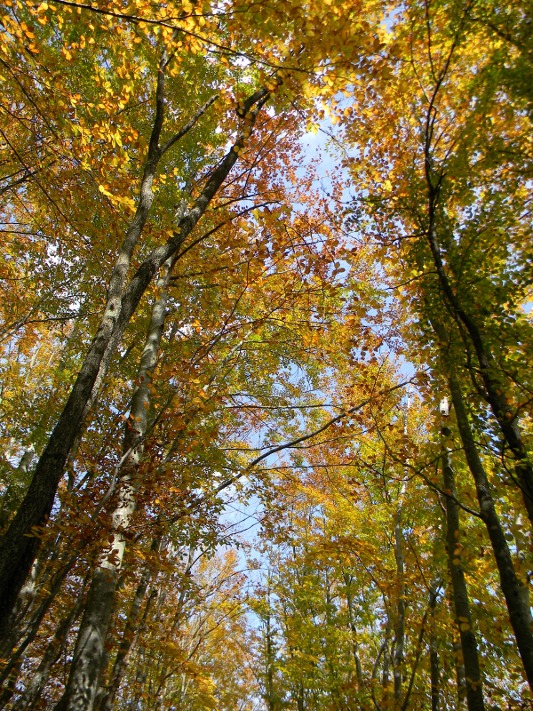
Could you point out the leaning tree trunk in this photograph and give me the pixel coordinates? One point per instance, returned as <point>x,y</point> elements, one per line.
<point>471,332</point>
<point>494,395</point>
<point>106,700</point>
<point>519,613</point>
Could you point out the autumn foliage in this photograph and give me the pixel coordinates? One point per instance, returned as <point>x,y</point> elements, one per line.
<point>266,351</point>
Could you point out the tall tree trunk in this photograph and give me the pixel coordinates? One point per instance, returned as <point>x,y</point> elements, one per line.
<point>86,666</point>
<point>519,613</point>
<point>26,631</point>
<point>54,650</point>
<point>17,548</point>
<point>129,637</point>
<point>494,382</point>
<point>353,629</point>
<point>399,629</point>
<point>501,410</point>
<point>512,588</point>
<point>522,537</point>
<point>434,654</point>
<point>461,602</point>
<point>270,697</point>
<point>385,674</point>
<point>460,675</point>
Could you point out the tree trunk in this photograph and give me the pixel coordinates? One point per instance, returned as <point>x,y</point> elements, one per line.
<point>353,629</point>
<point>461,602</point>
<point>89,653</point>
<point>17,548</point>
<point>399,631</point>
<point>460,675</point>
<point>54,650</point>
<point>270,696</point>
<point>519,614</point>
<point>26,632</point>
<point>496,398</point>
<point>434,655</point>
<point>131,632</point>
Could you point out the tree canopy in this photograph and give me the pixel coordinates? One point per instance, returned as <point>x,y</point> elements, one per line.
<point>266,411</point>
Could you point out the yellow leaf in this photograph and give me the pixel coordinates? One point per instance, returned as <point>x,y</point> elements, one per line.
<point>104,191</point>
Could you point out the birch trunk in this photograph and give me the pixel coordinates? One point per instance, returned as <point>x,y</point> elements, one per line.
<point>131,633</point>
<point>17,548</point>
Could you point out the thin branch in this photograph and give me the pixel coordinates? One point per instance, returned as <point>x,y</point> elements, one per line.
<point>292,444</point>
<point>201,111</point>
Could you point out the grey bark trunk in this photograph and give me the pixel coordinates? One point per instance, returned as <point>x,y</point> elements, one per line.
<point>461,602</point>
<point>399,631</point>
<point>131,632</point>
<point>385,675</point>
<point>353,629</point>
<point>17,548</point>
<point>88,658</point>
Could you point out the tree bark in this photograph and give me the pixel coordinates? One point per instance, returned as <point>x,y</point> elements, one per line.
<point>270,696</point>
<point>86,666</point>
<point>131,632</point>
<point>399,630</point>
<point>519,614</point>
<point>434,666</point>
<point>353,630</point>
<point>18,546</point>
<point>461,602</point>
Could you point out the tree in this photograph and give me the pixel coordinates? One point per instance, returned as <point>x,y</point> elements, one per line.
<point>462,242</point>
<point>196,319</point>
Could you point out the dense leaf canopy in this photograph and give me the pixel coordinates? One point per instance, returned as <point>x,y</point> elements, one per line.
<point>265,413</point>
